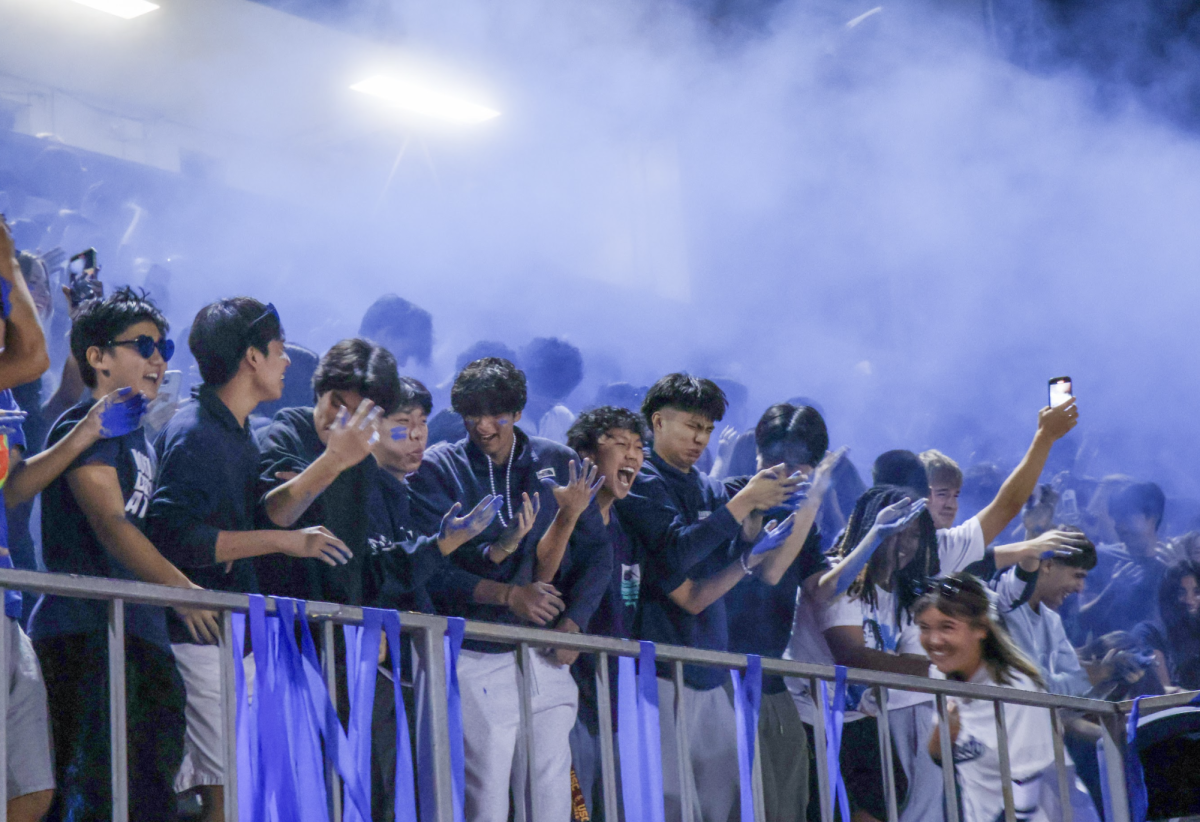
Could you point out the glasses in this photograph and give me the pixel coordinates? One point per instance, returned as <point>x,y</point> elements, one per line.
<point>145,346</point>
<point>947,587</point>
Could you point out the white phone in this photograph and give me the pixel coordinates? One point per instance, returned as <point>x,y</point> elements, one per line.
<point>169,390</point>
<point>1060,391</point>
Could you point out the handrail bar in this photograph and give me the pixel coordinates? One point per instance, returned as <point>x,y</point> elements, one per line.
<point>88,587</point>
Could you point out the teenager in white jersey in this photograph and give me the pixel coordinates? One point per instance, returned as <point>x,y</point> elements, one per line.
<point>871,626</point>
<point>965,644</point>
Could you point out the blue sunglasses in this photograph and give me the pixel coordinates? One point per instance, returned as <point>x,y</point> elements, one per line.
<point>145,346</point>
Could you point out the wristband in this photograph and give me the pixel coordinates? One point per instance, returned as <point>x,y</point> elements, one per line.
<point>746,568</point>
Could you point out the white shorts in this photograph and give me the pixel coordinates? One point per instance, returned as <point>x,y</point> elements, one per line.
<point>30,763</point>
<point>203,745</point>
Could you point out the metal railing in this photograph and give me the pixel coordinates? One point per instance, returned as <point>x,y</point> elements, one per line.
<point>428,631</point>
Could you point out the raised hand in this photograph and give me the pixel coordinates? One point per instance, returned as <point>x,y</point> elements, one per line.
<point>521,525</point>
<point>455,530</point>
<point>317,542</point>
<point>773,535</point>
<point>10,421</point>
<point>1057,421</point>
<point>726,443</point>
<point>822,475</point>
<point>351,437</point>
<point>1053,544</point>
<point>538,602</point>
<point>898,516</point>
<point>582,485</point>
<point>116,414</point>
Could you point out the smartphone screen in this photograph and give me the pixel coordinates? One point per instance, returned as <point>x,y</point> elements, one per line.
<point>169,390</point>
<point>1060,391</point>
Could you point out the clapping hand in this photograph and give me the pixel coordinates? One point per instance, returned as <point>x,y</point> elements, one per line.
<point>456,530</point>
<point>582,485</point>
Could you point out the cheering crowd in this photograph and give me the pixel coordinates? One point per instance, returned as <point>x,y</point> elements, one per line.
<point>526,512</point>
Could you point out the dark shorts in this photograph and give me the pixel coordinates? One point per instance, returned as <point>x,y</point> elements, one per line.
<point>75,668</point>
<point>862,770</point>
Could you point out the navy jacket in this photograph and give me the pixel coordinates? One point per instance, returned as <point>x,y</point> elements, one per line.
<point>683,530</point>
<point>207,470</point>
<point>458,472</point>
<point>290,444</point>
<point>400,561</point>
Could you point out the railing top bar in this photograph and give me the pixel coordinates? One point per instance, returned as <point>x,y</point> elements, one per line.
<point>146,593</point>
<point>1159,703</point>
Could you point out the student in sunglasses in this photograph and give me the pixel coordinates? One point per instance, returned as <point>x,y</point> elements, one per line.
<point>93,523</point>
<point>966,644</point>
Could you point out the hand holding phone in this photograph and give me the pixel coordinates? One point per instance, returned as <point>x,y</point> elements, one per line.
<point>1060,391</point>
<point>84,277</point>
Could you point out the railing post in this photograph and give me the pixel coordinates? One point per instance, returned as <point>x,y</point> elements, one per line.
<point>333,783</point>
<point>229,715</point>
<point>119,742</point>
<point>1006,790</point>
<point>433,657</point>
<point>682,748</point>
<point>1112,732</point>
<point>949,783</point>
<point>885,755</point>
<point>5,649</point>
<point>1060,766</point>
<point>823,777</point>
<point>608,767</point>
<point>525,735</point>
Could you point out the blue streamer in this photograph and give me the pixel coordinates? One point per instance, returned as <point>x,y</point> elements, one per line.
<point>638,737</point>
<point>405,804</point>
<point>747,698</point>
<point>835,716</point>
<point>362,660</point>
<point>302,723</point>
<point>247,726</point>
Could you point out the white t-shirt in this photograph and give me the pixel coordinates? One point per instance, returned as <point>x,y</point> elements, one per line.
<point>977,756</point>
<point>958,547</point>
<point>807,644</point>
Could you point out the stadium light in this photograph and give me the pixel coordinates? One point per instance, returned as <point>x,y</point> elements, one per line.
<point>121,8</point>
<point>413,97</point>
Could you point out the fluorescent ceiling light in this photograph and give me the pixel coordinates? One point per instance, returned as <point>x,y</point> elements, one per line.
<point>413,97</point>
<point>121,8</point>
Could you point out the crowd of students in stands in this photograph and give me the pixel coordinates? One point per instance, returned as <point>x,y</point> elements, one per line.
<point>525,513</point>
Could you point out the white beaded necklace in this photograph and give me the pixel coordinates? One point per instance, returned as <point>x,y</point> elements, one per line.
<point>507,482</point>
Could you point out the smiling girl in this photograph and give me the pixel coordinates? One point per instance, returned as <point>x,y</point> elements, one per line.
<point>964,642</point>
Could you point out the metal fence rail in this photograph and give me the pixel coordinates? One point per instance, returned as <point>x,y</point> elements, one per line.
<point>428,631</point>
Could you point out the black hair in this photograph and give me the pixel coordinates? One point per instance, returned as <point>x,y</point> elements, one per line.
<point>1043,495</point>
<point>488,387</point>
<point>796,434</point>
<point>908,582</point>
<point>363,367</point>
<point>483,349</point>
<point>393,318</point>
<point>1182,628</point>
<point>902,468</point>
<point>695,395</point>
<point>553,367</point>
<point>1086,558</point>
<point>297,388</point>
<point>414,394</point>
<point>585,433</point>
<point>962,596</point>
<point>1144,498</point>
<point>99,322</point>
<point>222,333</point>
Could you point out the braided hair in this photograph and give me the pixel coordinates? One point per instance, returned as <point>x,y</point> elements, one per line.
<point>907,582</point>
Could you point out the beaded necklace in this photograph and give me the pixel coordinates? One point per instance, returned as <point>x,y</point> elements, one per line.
<point>507,482</point>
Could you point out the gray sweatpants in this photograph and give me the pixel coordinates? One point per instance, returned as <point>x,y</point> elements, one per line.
<point>783,746</point>
<point>712,776</point>
<point>911,728</point>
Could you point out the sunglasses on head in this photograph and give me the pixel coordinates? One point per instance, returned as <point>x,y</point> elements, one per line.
<point>946,587</point>
<point>145,346</point>
<point>270,312</point>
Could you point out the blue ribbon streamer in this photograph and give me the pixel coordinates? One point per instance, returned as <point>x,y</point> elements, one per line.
<point>247,727</point>
<point>835,716</point>
<point>362,661</point>
<point>747,698</point>
<point>455,628</point>
<point>405,804</point>
<point>307,759</point>
<point>638,737</point>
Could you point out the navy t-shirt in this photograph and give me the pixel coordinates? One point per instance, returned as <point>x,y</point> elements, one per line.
<point>70,546</point>
<point>11,437</point>
<point>400,561</point>
<point>683,529</point>
<point>207,480</point>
